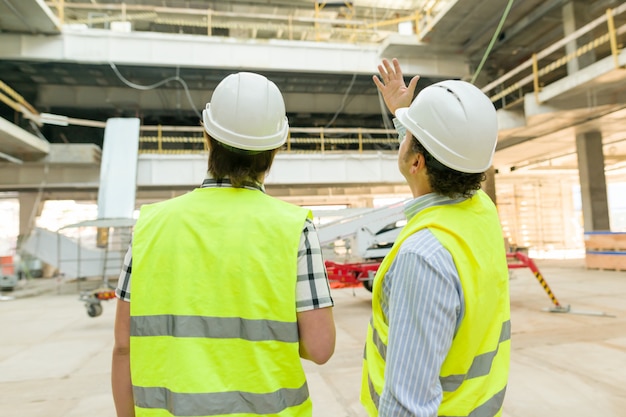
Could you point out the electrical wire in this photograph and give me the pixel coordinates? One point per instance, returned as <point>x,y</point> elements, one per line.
<point>343,102</point>
<point>386,120</point>
<point>156,85</point>
<point>493,40</point>
<point>383,111</point>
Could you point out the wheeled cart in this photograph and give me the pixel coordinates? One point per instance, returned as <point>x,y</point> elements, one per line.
<point>93,300</point>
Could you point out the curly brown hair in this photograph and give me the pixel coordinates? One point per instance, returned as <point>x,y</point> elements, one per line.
<point>239,166</point>
<point>447,181</point>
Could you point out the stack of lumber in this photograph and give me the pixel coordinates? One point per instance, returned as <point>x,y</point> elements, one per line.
<point>605,250</point>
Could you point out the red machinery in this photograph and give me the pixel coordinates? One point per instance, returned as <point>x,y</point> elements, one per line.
<point>351,274</point>
<point>520,260</point>
<point>374,232</point>
<point>369,234</point>
<point>354,274</point>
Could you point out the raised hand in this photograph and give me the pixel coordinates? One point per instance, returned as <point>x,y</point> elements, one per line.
<point>392,86</point>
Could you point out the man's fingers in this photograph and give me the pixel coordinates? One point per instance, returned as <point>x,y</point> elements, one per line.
<point>388,68</point>
<point>396,68</point>
<point>378,83</point>
<point>390,71</point>
<point>413,84</point>
<point>383,74</point>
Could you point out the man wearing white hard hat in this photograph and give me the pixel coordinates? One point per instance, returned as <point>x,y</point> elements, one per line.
<point>438,343</point>
<point>229,288</point>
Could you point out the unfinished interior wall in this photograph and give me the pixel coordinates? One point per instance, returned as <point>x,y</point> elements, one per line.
<point>541,215</point>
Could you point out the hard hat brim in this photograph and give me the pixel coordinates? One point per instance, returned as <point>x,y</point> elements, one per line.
<point>241,141</point>
<point>436,148</point>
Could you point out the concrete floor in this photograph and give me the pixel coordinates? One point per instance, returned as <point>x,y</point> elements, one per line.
<point>55,360</point>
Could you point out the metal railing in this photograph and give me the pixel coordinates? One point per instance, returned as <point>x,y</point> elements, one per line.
<point>158,139</point>
<point>346,25</point>
<point>12,99</point>
<point>539,70</point>
<point>188,140</point>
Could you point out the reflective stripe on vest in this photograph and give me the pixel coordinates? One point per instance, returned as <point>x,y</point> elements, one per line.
<point>214,327</point>
<point>213,307</point>
<point>489,408</point>
<point>474,373</point>
<point>219,403</point>
<point>381,347</point>
<point>480,366</point>
<point>373,394</point>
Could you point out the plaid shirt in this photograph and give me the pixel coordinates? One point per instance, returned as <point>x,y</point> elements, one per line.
<point>312,289</point>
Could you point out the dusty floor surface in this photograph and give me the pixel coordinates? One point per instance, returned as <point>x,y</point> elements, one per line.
<point>55,360</point>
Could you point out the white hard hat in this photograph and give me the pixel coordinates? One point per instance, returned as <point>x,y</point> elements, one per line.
<point>247,111</point>
<point>456,123</point>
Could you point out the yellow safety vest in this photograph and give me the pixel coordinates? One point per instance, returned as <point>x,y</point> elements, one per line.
<point>213,311</point>
<point>475,372</point>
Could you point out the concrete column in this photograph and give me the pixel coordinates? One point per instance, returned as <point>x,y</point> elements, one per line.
<point>592,181</point>
<point>575,15</point>
<point>489,185</point>
<point>30,208</point>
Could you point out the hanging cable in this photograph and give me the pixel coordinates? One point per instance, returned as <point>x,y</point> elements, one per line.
<point>156,85</point>
<point>493,40</point>
<point>387,122</point>
<point>343,102</point>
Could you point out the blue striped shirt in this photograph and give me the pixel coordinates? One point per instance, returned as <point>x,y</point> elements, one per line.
<point>423,302</point>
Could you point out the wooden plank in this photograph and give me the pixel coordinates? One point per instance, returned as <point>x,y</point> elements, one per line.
<point>615,261</point>
<point>605,241</point>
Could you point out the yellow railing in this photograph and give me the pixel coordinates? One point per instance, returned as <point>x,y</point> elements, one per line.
<point>515,84</point>
<point>345,28</point>
<point>346,25</point>
<point>189,140</point>
<point>12,99</point>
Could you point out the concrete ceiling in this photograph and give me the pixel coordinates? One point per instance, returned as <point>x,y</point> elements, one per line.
<point>462,28</point>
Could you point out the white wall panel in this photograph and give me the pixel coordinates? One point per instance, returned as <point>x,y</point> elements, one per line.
<point>118,169</point>
<point>288,169</point>
<point>161,49</point>
<point>171,170</point>
<point>338,168</point>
